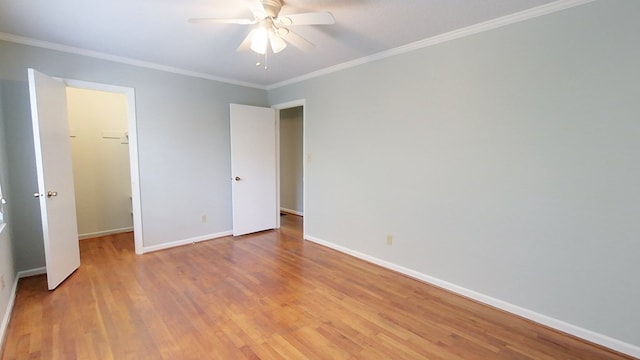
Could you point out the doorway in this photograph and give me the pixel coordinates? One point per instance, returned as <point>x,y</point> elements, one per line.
<point>116,139</point>
<point>98,128</point>
<point>291,158</point>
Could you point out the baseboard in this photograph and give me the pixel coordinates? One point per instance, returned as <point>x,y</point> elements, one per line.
<point>4,325</point>
<point>560,325</point>
<point>12,298</point>
<point>104,233</point>
<point>289,211</point>
<point>31,272</point>
<point>148,249</point>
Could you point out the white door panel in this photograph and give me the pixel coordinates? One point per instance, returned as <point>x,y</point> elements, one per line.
<point>253,168</point>
<point>55,176</point>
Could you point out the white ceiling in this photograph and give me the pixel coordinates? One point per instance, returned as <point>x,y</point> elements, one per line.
<point>156,31</point>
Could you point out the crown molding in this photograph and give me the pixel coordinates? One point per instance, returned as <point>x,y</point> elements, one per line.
<point>120,59</point>
<point>439,39</point>
<point>435,40</point>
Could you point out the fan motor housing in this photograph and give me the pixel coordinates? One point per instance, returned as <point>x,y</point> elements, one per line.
<point>272,7</point>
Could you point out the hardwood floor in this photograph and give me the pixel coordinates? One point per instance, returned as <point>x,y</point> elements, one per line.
<point>263,296</point>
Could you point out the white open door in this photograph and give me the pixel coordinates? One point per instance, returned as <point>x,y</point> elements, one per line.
<point>253,168</point>
<point>55,176</point>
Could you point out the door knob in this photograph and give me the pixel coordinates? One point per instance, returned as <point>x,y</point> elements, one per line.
<point>237,178</point>
<point>35,194</point>
<point>52,193</point>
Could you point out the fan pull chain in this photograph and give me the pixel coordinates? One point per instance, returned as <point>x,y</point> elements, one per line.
<point>258,62</point>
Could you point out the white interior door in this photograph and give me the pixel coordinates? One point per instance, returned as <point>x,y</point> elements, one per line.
<point>55,176</point>
<point>253,168</point>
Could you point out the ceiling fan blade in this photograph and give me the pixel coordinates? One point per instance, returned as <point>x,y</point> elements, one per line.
<point>313,18</point>
<point>257,8</point>
<point>296,40</point>
<point>246,43</point>
<point>222,21</point>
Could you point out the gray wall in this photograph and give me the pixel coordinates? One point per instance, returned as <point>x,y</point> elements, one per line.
<point>7,268</point>
<point>24,209</point>
<point>291,159</point>
<point>506,162</point>
<point>183,137</point>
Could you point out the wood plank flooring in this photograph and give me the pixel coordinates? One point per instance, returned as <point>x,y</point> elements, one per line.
<point>269,295</point>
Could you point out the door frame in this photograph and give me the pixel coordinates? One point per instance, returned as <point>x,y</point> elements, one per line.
<point>279,107</point>
<point>136,205</point>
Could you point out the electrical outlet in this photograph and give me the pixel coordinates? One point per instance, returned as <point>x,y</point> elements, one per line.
<point>204,219</point>
<point>389,240</point>
<point>2,282</point>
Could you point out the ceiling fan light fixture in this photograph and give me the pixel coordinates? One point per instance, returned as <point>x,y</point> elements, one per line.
<point>271,32</point>
<point>277,43</point>
<point>260,40</point>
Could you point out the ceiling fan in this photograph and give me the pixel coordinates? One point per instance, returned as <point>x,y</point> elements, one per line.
<point>272,29</point>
